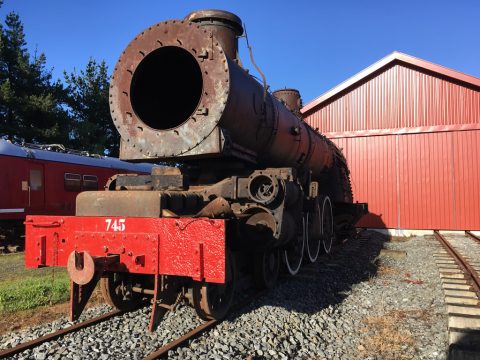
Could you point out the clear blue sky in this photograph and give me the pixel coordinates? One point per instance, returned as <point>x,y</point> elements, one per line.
<point>309,45</point>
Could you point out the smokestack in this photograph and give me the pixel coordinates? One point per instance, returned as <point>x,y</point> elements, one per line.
<point>290,98</point>
<point>225,26</point>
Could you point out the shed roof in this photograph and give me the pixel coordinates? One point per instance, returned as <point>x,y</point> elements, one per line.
<point>388,61</point>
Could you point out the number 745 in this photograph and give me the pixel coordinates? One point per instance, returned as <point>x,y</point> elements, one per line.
<point>115,224</point>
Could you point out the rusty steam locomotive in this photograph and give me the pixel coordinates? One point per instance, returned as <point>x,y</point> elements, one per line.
<point>258,189</point>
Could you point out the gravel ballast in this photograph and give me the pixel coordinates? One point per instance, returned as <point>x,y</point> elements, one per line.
<point>357,304</point>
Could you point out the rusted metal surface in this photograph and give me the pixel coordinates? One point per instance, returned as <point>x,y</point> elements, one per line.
<point>213,301</point>
<point>175,93</point>
<point>250,165</point>
<point>290,98</point>
<point>472,236</point>
<point>192,247</point>
<point>164,295</point>
<point>223,25</point>
<point>81,266</point>
<point>80,294</point>
<point>163,351</point>
<point>55,335</point>
<point>469,272</point>
<point>119,203</point>
<point>216,208</point>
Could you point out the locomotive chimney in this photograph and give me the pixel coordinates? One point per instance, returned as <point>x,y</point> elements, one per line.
<point>225,27</point>
<point>290,98</point>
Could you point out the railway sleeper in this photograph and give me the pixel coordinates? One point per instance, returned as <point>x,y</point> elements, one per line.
<point>462,300</point>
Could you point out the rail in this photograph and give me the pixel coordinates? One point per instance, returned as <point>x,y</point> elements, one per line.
<point>163,351</point>
<point>469,272</point>
<point>55,335</point>
<point>472,236</point>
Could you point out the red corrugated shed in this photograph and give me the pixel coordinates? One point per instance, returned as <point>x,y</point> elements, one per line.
<point>409,129</point>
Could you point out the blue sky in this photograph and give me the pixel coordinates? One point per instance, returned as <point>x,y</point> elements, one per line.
<point>309,45</point>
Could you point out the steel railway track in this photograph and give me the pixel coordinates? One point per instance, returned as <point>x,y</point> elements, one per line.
<point>460,273</point>
<point>57,334</point>
<point>162,352</point>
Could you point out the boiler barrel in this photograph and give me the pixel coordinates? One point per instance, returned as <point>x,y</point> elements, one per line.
<point>174,88</point>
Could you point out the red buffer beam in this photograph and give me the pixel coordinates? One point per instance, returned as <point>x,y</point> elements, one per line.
<point>191,247</point>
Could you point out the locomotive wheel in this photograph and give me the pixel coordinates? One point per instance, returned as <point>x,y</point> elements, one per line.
<point>314,233</point>
<point>117,291</point>
<point>293,255</point>
<point>213,301</point>
<point>267,268</point>
<point>328,232</point>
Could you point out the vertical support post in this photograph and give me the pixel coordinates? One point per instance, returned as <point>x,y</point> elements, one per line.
<point>165,294</point>
<point>80,294</point>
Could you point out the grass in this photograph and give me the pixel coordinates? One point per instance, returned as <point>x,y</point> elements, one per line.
<point>23,289</point>
<point>384,339</point>
<point>385,270</point>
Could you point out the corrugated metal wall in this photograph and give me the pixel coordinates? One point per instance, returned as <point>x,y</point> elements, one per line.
<point>411,177</point>
<point>396,98</point>
<point>417,181</point>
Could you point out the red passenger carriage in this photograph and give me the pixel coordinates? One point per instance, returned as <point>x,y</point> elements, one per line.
<point>35,181</point>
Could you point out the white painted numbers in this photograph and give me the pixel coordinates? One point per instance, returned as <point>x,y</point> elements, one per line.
<point>115,224</point>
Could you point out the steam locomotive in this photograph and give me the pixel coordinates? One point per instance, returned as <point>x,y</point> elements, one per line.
<point>257,188</point>
<point>45,179</point>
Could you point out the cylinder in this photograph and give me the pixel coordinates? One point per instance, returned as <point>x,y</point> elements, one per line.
<point>175,87</point>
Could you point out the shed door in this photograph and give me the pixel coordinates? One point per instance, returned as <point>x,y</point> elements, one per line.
<point>36,187</point>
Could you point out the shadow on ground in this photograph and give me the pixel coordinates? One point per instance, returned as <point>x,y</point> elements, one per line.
<point>327,282</point>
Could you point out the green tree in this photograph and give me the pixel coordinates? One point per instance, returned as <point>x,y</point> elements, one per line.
<point>30,105</point>
<point>87,94</point>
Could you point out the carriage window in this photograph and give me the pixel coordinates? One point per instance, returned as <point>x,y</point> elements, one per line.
<point>35,180</point>
<point>90,182</point>
<point>73,182</point>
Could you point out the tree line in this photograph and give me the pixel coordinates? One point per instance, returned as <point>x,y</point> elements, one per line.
<point>35,108</point>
